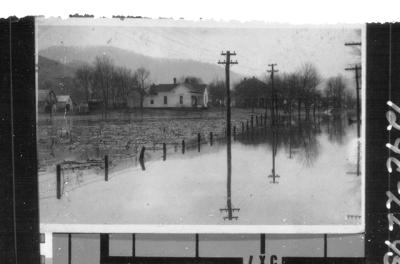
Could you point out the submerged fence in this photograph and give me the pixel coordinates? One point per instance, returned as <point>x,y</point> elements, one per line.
<point>73,174</point>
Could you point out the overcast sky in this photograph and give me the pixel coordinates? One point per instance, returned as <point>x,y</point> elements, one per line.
<point>256,46</point>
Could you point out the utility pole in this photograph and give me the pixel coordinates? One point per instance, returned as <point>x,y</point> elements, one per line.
<point>356,70</point>
<point>274,151</point>
<point>227,62</point>
<point>274,97</point>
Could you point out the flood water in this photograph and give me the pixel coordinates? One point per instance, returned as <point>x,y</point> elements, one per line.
<point>294,174</point>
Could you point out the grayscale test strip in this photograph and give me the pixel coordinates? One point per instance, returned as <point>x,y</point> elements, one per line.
<point>207,248</point>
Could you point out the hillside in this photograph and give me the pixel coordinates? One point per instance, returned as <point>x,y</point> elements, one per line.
<point>161,70</point>
<point>50,70</point>
<point>57,76</point>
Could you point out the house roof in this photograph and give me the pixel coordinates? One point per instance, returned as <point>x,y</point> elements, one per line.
<point>63,98</point>
<point>162,88</point>
<point>194,88</point>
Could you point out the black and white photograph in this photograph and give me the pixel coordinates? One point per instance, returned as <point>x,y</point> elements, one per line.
<point>200,125</point>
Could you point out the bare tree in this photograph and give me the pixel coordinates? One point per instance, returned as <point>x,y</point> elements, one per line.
<point>217,90</point>
<point>142,74</point>
<point>335,92</point>
<point>126,77</point>
<point>289,85</point>
<point>309,80</point>
<point>84,76</point>
<point>103,73</point>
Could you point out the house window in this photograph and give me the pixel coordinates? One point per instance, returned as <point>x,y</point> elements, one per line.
<point>181,99</point>
<point>165,100</point>
<point>151,101</point>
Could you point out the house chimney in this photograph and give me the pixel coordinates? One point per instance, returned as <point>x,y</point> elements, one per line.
<point>174,80</point>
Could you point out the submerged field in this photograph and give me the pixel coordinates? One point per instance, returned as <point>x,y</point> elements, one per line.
<point>316,164</point>
<point>125,133</point>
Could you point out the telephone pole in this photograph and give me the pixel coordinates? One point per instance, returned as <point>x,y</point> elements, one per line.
<point>227,62</point>
<point>274,151</point>
<point>356,70</point>
<point>274,97</point>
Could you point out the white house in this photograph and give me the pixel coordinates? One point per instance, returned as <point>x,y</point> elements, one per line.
<point>177,95</point>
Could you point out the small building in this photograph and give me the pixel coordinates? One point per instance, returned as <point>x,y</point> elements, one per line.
<point>63,102</point>
<point>177,95</point>
<point>46,100</point>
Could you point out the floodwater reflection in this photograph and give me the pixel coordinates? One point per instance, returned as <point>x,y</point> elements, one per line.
<point>234,183</point>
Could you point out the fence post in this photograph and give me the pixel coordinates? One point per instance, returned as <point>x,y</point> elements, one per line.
<point>198,141</point>
<point>252,122</point>
<point>58,181</point>
<point>242,128</point>
<point>256,121</point>
<point>247,125</point>
<point>183,146</point>
<point>106,167</point>
<point>211,138</point>
<point>141,156</point>
<point>234,132</point>
<point>164,151</point>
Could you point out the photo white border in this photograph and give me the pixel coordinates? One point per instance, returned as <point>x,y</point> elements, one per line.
<point>222,228</point>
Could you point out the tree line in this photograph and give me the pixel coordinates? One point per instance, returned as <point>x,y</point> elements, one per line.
<point>298,91</point>
<point>295,92</point>
<point>110,84</point>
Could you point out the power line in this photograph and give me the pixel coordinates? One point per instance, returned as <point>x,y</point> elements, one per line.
<point>227,62</point>
<point>356,68</point>
<point>274,98</point>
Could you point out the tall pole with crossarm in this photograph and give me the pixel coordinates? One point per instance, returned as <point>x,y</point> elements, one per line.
<point>357,69</point>
<point>274,97</point>
<point>227,62</point>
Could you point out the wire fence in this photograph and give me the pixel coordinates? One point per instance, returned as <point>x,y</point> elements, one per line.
<point>122,155</point>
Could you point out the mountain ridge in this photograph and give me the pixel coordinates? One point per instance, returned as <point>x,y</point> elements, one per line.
<point>162,70</point>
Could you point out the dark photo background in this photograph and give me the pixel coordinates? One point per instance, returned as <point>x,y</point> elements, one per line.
<point>19,217</point>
